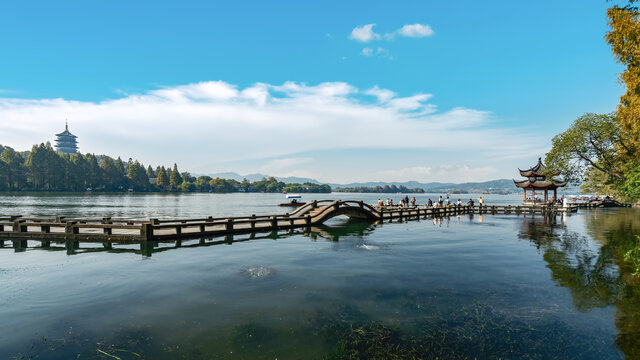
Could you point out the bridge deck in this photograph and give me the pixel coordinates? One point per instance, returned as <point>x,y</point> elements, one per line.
<point>314,213</point>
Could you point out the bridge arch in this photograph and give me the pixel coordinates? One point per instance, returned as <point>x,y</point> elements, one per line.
<point>337,208</point>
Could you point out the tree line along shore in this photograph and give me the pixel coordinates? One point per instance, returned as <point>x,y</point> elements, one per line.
<point>44,169</point>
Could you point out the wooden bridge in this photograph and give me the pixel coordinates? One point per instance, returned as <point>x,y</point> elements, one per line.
<point>315,213</point>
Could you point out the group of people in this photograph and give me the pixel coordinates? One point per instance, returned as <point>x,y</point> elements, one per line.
<point>442,202</point>
<point>404,202</point>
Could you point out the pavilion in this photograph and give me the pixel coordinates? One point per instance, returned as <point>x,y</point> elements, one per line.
<point>66,141</point>
<point>536,179</point>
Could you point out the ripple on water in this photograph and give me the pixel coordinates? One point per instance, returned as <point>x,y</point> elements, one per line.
<point>255,272</point>
<point>369,247</point>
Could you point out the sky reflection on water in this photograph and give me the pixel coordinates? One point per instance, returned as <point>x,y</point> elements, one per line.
<point>491,286</point>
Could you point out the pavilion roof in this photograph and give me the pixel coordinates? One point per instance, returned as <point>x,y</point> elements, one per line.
<point>539,184</point>
<point>537,170</point>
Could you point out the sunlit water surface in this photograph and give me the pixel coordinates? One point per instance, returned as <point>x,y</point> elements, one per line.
<point>459,287</point>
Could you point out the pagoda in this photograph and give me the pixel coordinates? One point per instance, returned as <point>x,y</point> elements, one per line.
<point>537,180</point>
<point>66,141</point>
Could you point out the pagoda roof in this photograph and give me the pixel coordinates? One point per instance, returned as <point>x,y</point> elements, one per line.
<point>539,184</point>
<point>66,133</point>
<point>537,170</point>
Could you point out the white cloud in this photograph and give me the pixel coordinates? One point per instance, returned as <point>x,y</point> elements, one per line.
<point>415,30</point>
<point>367,51</point>
<point>453,173</point>
<point>364,33</point>
<point>203,125</point>
<point>383,95</point>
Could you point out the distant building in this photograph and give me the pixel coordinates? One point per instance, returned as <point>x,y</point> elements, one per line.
<point>66,141</point>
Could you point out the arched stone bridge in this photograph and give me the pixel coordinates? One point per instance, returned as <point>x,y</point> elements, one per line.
<point>128,230</point>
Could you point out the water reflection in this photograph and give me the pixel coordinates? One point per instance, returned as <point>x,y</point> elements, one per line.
<point>454,287</point>
<point>350,227</point>
<point>596,276</point>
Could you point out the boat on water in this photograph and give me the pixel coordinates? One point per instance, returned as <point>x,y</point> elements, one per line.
<point>294,200</point>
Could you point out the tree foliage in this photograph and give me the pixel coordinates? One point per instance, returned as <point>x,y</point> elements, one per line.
<point>624,39</point>
<point>590,142</point>
<point>44,169</point>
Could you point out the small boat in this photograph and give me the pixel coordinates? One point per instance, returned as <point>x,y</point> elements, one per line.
<point>294,200</point>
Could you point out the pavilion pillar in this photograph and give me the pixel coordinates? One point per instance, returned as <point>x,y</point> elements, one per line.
<point>555,194</point>
<point>533,195</point>
<point>546,196</point>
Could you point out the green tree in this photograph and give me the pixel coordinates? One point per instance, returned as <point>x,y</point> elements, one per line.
<point>175,180</point>
<point>162,180</point>
<point>112,177</point>
<point>12,169</point>
<point>138,179</point>
<point>590,142</point>
<point>46,168</point>
<point>150,172</point>
<point>187,186</point>
<point>202,183</point>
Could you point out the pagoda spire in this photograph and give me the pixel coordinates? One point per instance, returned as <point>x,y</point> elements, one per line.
<point>66,125</point>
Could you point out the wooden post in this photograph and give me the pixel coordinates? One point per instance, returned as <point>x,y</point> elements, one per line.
<point>178,229</point>
<point>253,221</point>
<point>71,246</point>
<point>45,229</point>
<point>69,228</point>
<point>60,219</point>
<point>45,243</point>
<point>361,204</point>
<point>274,223</point>
<point>146,248</point>
<point>314,204</point>
<point>20,245</point>
<point>228,227</point>
<point>146,231</point>
<point>107,230</point>
<point>17,227</point>
<point>308,220</point>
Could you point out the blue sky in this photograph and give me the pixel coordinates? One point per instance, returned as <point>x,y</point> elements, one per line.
<point>480,92</point>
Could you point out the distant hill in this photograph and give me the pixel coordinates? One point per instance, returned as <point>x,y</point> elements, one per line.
<point>258,177</point>
<point>494,186</point>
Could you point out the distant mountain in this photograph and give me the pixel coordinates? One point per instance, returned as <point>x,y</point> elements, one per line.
<point>258,177</point>
<point>493,186</point>
<point>408,184</point>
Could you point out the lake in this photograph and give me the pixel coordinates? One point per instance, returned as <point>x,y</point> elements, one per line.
<point>470,286</point>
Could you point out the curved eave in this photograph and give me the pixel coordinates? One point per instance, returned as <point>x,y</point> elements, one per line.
<point>66,133</point>
<point>539,185</point>
<point>528,173</point>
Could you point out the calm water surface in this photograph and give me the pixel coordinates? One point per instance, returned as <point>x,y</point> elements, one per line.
<point>492,286</point>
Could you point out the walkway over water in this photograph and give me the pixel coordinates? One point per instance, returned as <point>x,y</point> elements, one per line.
<point>315,213</point>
